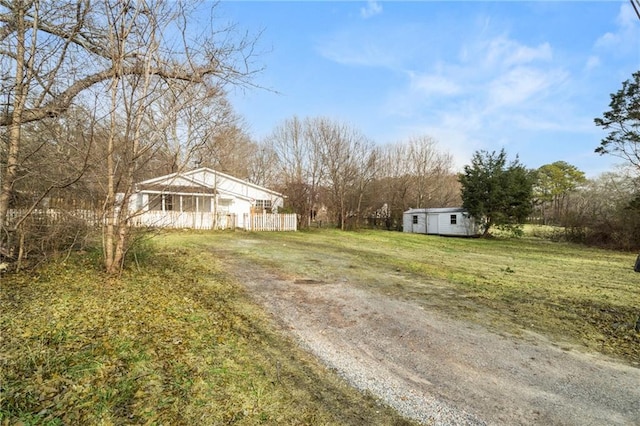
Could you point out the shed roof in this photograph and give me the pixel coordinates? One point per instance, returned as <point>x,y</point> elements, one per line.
<point>437,210</point>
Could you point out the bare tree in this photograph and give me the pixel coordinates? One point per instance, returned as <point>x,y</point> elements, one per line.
<point>53,52</point>
<point>138,33</point>
<point>228,148</point>
<point>196,127</point>
<point>348,161</point>
<point>415,173</point>
<point>366,157</point>
<point>325,163</point>
<point>55,157</point>
<point>263,167</point>
<point>605,211</point>
<point>394,181</point>
<point>430,168</point>
<point>299,164</point>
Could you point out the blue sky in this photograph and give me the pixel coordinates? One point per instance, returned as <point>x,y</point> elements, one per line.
<point>528,77</point>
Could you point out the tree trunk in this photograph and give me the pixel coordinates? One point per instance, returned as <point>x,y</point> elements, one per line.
<point>487,228</point>
<point>13,151</point>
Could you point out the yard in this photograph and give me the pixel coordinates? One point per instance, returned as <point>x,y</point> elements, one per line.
<point>174,341</point>
<point>177,340</point>
<point>570,293</point>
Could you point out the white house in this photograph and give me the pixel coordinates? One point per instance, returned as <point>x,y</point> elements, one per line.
<point>454,221</point>
<point>207,199</point>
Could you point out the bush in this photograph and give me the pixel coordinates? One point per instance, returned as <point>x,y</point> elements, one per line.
<point>48,233</point>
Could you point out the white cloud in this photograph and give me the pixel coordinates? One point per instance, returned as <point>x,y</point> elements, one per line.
<point>477,91</point>
<point>553,120</point>
<point>363,53</point>
<point>593,62</point>
<point>607,40</point>
<point>627,17</point>
<point>373,8</point>
<point>626,34</point>
<point>488,93</point>
<point>430,84</point>
<point>519,85</point>
<point>495,76</point>
<point>372,45</point>
<point>504,52</point>
<point>525,54</point>
<point>460,143</point>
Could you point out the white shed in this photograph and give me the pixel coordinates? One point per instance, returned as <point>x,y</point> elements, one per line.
<point>454,221</point>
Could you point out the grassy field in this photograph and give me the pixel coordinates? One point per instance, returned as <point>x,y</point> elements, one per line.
<point>576,296</point>
<point>174,341</point>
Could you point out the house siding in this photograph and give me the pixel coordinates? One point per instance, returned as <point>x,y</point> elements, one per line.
<point>203,191</point>
<point>235,186</point>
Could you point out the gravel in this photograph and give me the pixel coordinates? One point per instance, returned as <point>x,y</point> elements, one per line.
<point>440,371</point>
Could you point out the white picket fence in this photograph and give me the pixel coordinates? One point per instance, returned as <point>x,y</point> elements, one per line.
<point>271,222</point>
<point>52,216</point>
<point>184,220</point>
<point>171,219</point>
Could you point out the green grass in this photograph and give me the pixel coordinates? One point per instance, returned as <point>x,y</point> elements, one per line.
<point>174,341</point>
<point>177,341</point>
<point>572,294</point>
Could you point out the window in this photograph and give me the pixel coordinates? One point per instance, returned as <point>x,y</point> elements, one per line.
<point>188,203</point>
<point>168,202</point>
<point>415,219</point>
<point>156,202</point>
<point>454,219</point>
<point>263,205</point>
<point>204,204</point>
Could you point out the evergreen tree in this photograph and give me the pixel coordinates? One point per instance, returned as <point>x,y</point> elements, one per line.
<point>496,193</point>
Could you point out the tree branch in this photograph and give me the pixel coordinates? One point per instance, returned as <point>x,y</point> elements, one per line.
<point>63,101</point>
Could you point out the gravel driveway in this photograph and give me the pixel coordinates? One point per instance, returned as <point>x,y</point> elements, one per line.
<point>441,371</point>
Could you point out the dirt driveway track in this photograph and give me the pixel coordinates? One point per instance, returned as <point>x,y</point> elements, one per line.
<point>442,371</point>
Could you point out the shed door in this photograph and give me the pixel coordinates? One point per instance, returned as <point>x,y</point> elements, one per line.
<point>432,223</point>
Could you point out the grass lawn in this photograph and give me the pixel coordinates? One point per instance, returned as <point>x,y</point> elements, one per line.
<point>576,296</point>
<point>174,341</point>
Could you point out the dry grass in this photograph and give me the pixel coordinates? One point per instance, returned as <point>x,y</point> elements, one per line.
<point>174,341</point>
<point>572,294</point>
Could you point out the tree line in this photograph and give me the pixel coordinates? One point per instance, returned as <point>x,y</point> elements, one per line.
<point>331,172</point>
<point>603,211</point>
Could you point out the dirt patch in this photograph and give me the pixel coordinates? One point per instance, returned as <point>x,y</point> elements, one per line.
<point>442,371</point>
<point>307,281</point>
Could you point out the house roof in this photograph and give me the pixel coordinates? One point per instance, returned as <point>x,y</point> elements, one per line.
<point>184,179</point>
<point>182,190</point>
